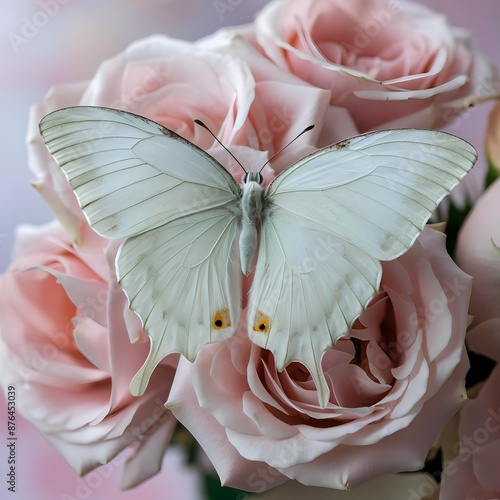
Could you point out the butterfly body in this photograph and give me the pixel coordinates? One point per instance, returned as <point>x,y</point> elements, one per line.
<point>252,205</point>
<point>319,230</point>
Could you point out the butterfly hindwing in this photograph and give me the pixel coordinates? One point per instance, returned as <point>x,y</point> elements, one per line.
<point>309,285</point>
<point>184,281</point>
<point>329,221</point>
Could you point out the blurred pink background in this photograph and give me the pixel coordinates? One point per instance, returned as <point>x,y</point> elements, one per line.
<point>67,46</point>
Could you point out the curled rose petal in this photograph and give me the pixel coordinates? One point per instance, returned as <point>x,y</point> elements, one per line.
<point>389,63</point>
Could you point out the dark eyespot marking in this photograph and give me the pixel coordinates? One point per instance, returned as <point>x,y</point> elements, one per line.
<point>221,319</point>
<point>262,323</point>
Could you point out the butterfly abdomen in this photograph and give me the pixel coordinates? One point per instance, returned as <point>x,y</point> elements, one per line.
<point>251,216</point>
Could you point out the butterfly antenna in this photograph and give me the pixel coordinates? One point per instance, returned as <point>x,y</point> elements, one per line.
<point>284,147</point>
<point>201,124</point>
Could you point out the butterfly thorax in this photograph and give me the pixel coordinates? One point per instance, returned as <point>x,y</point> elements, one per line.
<point>251,215</point>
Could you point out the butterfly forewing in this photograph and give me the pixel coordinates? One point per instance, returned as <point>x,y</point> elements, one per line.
<point>131,174</point>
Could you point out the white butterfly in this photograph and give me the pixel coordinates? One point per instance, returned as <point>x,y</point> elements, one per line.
<point>321,229</point>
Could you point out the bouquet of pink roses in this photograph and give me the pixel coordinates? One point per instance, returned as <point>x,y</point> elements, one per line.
<point>71,346</point>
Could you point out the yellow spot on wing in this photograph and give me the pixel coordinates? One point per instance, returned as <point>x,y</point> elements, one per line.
<point>262,323</point>
<point>221,319</point>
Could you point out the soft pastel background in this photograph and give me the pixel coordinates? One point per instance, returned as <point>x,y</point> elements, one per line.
<point>67,46</point>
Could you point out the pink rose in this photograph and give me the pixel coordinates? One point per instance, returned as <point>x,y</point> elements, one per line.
<point>251,105</point>
<point>478,254</point>
<point>65,348</point>
<point>391,63</point>
<point>493,139</point>
<point>394,384</point>
<point>473,474</point>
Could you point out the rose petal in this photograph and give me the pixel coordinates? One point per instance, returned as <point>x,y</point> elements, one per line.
<point>147,459</point>
<point>390,487</point>
<point>232,469</point>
